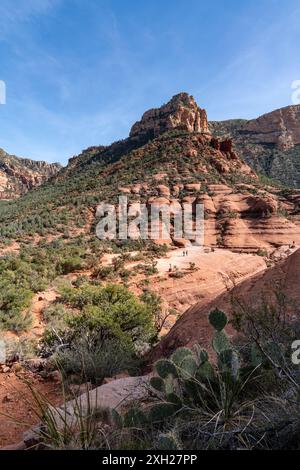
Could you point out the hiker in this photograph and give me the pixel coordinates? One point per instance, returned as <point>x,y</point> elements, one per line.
<point>183,253</point>
<point>187,253</point>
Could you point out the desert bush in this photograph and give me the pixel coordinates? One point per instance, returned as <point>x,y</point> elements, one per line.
<point>55,316</point>
<point>70,264</point>
<point>268,325</point>
<point>104,273</point>
<point>105,313</point>
<point>112,309</point>
<point>262,252</point>
<point>13,301</point>
<point>93,360</point>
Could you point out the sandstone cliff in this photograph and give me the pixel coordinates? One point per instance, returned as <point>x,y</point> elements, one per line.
<point>181,112</point>
<point>270,143</point>
<point>280,127</point>
<point>18,175</point>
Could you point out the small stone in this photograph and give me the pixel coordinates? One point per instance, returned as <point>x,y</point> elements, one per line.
<point>32,437</point>
<point>35,365</point>
<point>16,367</point>
<point>7,399</point>
<point>55,376</point>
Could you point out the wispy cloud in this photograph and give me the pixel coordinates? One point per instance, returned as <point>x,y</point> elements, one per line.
<point>81,72</point>
<point>12,14</point>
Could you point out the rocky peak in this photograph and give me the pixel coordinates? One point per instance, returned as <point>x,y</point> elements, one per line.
<point>280,127</point>
<point>18,175</point>
<point>181,112</point>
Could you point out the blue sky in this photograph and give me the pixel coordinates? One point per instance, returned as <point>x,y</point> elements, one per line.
<point>80,72</point>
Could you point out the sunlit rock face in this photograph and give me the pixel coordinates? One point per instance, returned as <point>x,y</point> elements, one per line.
<point>181,112</point>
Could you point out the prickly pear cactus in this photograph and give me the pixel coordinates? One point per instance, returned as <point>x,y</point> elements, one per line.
<point>218,319</point>
<point>165,367</point>
<point>220,342</point>
<point>188,380</point>
<point>168,441</point>
<point>228,361</point>
<point>180,355</point>
<point>200,354</point>
<point>158,384</point>
<point>205,372</point>
<point>134,417</point>
<point>161,411</point>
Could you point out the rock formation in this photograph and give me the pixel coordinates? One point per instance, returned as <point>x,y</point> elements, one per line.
<point>193,325</point>
<point>242,213</point>
<point>280,127</point>
<point>181,112</point>
<point>18,175</point>
<point>270,144</point>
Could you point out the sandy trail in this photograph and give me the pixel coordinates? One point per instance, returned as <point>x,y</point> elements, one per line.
<point>213,273</point>
<point>39,302</point>
<point>176,258</point>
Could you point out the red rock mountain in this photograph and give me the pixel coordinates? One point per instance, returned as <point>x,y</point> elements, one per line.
<point>171,158</point>
<point>181,112</point>
<point>270,144</point>
<point>280,127</point>
<point>18,175</point>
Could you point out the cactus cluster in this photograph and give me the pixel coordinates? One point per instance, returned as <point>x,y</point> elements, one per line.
<point>188,380</point>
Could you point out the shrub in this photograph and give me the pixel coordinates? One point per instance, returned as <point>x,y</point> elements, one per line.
<point>93,360</point>
<point>110,312</point>
<point>55,315</point>
<point>103,273</point>
<point>262,252</point>
<point>71,264</point>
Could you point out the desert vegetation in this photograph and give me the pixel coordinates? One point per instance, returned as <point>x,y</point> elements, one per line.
<point>241,393</point>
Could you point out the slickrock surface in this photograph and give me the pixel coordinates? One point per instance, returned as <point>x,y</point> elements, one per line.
<point>193,325</point>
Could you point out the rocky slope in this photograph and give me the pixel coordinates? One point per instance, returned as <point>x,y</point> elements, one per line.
<point>18,175</point>
<point>270,144</point>
<point>193,326</point>
<point>182,164</point>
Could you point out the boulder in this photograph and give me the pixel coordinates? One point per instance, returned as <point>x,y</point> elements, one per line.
<point>193,186</point>
<point>114,395</point>
<point>163,190</point>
